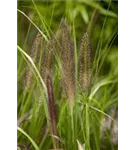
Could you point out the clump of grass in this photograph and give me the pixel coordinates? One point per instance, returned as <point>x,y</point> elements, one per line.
<point>47,50</point>
<point>56,61</point>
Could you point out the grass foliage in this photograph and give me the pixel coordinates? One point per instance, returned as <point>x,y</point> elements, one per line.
<point>67,75</point>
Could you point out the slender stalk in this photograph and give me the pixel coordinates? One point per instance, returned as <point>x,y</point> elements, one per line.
<point>52,112</point>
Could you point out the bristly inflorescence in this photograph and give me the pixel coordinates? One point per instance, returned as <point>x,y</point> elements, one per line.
<point>34,54</point>
<point>47,49</point>
<point>48,59</point>
<point>84,63</point>
<point>67,60</point>
<point>43,55</point>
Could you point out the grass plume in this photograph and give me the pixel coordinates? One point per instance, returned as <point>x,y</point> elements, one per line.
<point>35,55</point>
<point>67,59</point>
<point>48,59</point>
<point>85,63</point>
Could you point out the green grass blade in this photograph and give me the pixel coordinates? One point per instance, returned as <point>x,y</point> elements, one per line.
<point>30,139</point>
<point>33,24</point>
<point>100,8</point>
<point>35,68</point>
<point>100,84</point>
<point>76,60</point>
<point>96,109</point>
<point>41,18</point>
<point>40,78</point>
